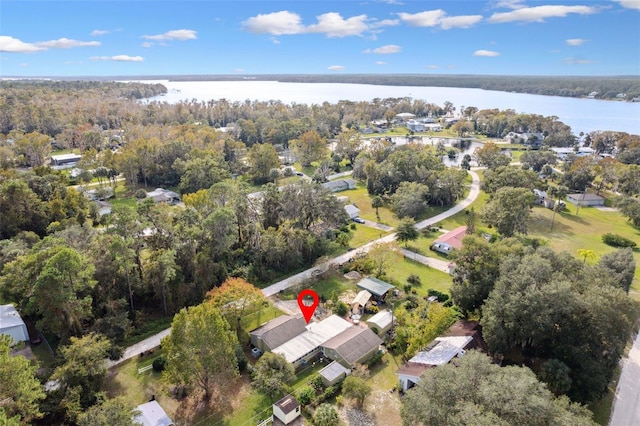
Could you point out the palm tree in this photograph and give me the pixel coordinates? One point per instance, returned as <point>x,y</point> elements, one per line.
<point>376,203</point>
<point>407,231</point>
<point>559,193</point>
<point>586,253</point>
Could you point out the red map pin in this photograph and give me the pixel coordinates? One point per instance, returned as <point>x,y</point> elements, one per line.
<point>308,302</point>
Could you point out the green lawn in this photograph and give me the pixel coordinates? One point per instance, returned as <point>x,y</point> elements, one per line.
<point>364,234</point>
<point>360,197</point>
<point>429,277</point>
<point>255,319</point>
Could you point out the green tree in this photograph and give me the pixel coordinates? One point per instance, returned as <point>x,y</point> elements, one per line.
<point>201,172</point>
<point>410,199</point>
<point>419,324</point>
<point>108,412</point>
<point>508,210</point>
<point>20,209</point>
<point>200,350</point>
<point>407,231</point>
<point>236,298</point>
<point>620,266</point>
<point>382,256</point>
<point>20,390</point>
<point>262,158</point>
<point>81,373</point>
<point>309,147</point>
<point>325,415</point>
<point>490,155</point>
<point>272,375</point>
<point>558,193</point>
<point>480,390</point>
<point>356,388</point>
<point>376,203</point>
<point>586,254</point>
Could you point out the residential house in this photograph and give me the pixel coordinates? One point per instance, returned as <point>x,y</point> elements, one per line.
<point>381,322</point>
<point>152,414</point>
<point>376,287</point>
<point>302,348</point>
<point>404,116</point>
<point>533,140</point>
<point>286,411</point>
<point>340,185</point>
<point>333,373</point>
<point>67,160</point>
<point>585,199</point>
<point>12,325</point>
<point>352,211</point>
<point>450,241</point>
<point>160,195</point>
<point>355,345</point>
<point>277,331</point>
<point>462,336</point>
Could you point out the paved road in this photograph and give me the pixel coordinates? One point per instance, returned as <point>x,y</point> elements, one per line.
<point>626,405</point>
<point>154,341</point>
<point>440,265</point>
<point>142,346</point>
<point>309,273</point>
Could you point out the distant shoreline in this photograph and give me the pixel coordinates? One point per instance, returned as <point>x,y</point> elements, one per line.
<point>618,88</point>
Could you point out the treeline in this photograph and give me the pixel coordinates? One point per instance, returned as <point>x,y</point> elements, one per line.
<point>569,86</point>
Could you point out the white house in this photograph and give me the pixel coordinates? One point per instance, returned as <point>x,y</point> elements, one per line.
<point>352,211</point>
<point>12,324</point>
<point>585,199</point>
<point>65,159</point>
<point>152,414</point>
<point>287,410</point>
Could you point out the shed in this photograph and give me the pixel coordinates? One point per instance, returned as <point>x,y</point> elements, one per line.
<point>287,409</point>
<point>382,322</point>
<point>375,286</point>
<point>361,299</point>
<point>352,211</point>
<point>12,324</point>
<point>160,195</point>
<point>333,373</point>
<point>340,185</point>
<point>65,159</point>
<point>585,199</point>
<point>152,414</point>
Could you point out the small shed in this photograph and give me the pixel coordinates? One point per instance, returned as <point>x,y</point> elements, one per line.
<point>381,322</point>
<point>359,301</point>
<point>585,199</point>
<point>333,373</point>
<point>287,409</point>
<point>12,324</point>
<point>65,159</point>
<point>376,287</point>
<point>152,414</point>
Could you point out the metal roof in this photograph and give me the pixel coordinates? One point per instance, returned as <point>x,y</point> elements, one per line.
<point>382,319</point>
<point>333,371</point>
<point>445,349</point>
<point>374,286</point>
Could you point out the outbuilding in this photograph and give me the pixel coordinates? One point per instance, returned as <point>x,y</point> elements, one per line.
<point>333,373</point>
<point>585,199</point>
<point>286,410</point>
<point>381,322</point>
<point>376,287</point>
<point>12,324</point>
<point>152,414</point>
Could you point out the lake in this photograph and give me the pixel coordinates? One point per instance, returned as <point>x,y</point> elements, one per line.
<point>583,115</point>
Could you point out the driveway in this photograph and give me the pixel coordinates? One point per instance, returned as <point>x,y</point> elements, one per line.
<point>626,405</point>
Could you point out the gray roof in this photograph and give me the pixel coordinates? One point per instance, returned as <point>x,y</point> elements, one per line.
<point>332,371</point>
<point>374,286</point>
<point>152,414</point>
<point>351,209</point>
<point>280,330</point>
<point>382,319</point>
<point>287,404</point>
<point>353,343</point>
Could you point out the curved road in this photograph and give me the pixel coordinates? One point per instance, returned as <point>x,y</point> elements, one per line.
<point>309,273</point>
<point>154,341</point>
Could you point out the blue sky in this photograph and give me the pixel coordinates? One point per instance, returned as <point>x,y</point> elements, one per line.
<point>502,37</point>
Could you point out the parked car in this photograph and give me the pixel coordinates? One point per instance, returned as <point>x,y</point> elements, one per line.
<point>358,220</point>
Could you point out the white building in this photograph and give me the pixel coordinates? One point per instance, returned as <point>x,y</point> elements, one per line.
<point>152,414</point>
<point>12,324</point>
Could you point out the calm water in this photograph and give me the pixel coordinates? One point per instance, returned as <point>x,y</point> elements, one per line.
<point>583,115</point>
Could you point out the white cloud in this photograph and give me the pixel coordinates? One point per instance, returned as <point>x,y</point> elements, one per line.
<point>65,43</point>
<point>118,58</point>
<point>488,53</point>
<point>385,50</point>
<point>509,4</point>
<point>575,41</point>
<point>381,63</point>
<point>147,44</point>
<point>173,35</point>
<point>334,25</point>
<point>336,68</point>
<point>540,13</point>
<point>276,23</point>
<point>629,4</point>
<point>462,21</point>
<point>423,19</point>
<point>331,24</point>
<point>275,40</point>
<point>99,32</point>
<point>439,18</point>
<point>10,44</point>
<point>432,67</point>
<point>577,61</point>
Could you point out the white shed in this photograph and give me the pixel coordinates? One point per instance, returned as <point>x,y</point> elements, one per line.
<point>152,414</point>
<point>12,324</point>
<point>287,409</point>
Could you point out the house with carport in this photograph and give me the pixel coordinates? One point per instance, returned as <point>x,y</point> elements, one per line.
<point>279,330</point>
<point>378,288</point>
<point>462,336</point>
<point>355,345</point>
